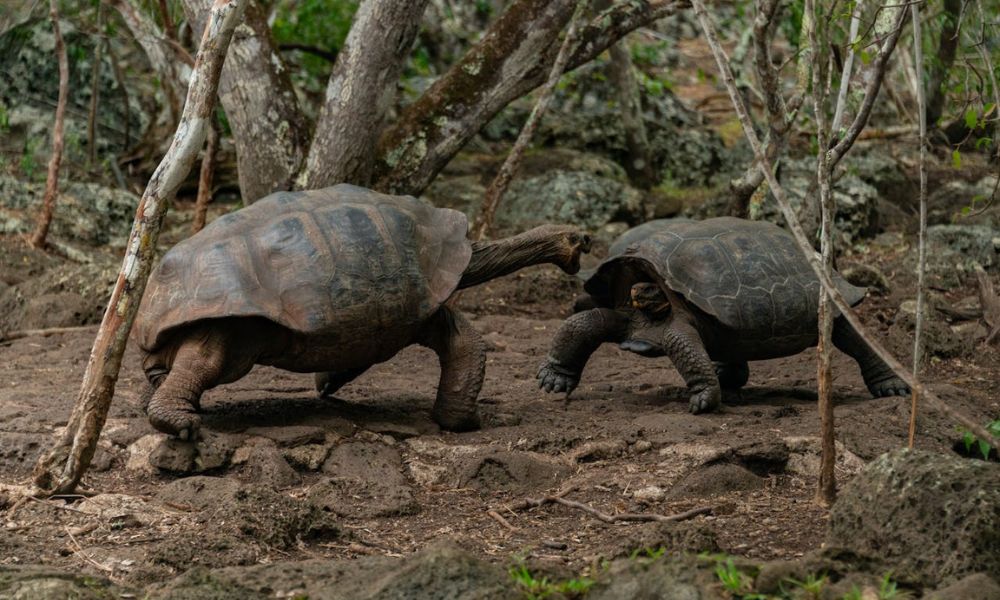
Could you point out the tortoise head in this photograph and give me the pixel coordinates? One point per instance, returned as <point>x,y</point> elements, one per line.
<point>650,299</point>
<point>563,244</point>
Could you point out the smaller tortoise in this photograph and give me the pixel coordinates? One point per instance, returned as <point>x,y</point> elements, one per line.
<point>723,291</point>
<point>326,281</point>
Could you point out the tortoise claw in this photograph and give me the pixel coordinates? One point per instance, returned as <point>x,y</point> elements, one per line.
<point>554,378</point>
<point>706,400</point>
<point>893,386</point>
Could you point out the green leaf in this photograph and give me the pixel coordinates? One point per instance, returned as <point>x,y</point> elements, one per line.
<point>984,449</point>
<point>956,159</point>
<point>982,142</point>
<point>865,57</point>
<point>965,212</point>
<point>970,118</point>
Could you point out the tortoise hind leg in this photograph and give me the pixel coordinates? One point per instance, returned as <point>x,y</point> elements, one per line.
<point>462,355</point>
<point>879,378</point>
<point>732,375</point>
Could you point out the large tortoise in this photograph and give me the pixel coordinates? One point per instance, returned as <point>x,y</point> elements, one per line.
<point>326,281</point>
<point>723,291</point>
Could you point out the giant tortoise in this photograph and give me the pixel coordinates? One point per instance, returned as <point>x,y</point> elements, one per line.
<point>326,281</point>
<point>723,291</point>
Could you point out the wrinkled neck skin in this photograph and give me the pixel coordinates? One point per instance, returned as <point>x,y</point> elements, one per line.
<point>496,258</point>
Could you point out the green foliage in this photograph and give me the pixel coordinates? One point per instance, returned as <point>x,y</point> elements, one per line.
<point>539,589</point>
<point>735,581</point>
<point>323,24</point>
<point>812,585</point>
<point>970,440</point>
<point>4,117</point>
<point>791,25</point>
<point>647,553</point>
<point>889,589</point>
<point>956,158</point>
<point>29,162</point>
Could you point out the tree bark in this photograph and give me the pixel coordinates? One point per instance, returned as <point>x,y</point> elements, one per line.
<point>206,176</point>
<point>60,470</point>
<point>52,177</point>
<point>360,91</point>
<point>947,47</point>
<point>483,224</point>
<point>271,134</point>
<point>513,58</point>
<point>621,74</point>
<point>172,73</point>
<point>918,58</point>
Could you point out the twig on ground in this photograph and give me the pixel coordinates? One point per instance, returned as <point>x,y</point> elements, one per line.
<point>23,333</point>
<point>602,516</point>
<point>499,519</point>
<point>78,551</point>
<point>722,62</point>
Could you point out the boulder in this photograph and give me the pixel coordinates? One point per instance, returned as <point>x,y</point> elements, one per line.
<point>954,250</point>
<point>931,518</point>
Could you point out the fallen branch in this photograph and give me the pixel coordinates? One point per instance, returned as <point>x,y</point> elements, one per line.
<point>60,469</point>
<point>628,517</point>
<point>23,333</point>
<point>483,224</point>
<point>499,519</point>
<point>722,62</point>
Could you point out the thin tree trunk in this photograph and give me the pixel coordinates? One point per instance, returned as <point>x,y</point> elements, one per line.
<point>60,470</point>
<point>826,490</point>
<point>52,177</point>
<point>360,92</point>
<point>483,224</point>
<point>206,176</point>
<point>722,62</point>
<point>512,58</point>
<point>621,74</point>
<point>918,57</point>
<point>126,109</point>
<point>845,76</point>
<point>95,87</point>
<point>169,29</point>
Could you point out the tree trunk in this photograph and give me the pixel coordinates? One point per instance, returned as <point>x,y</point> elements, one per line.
<point>938,69</point>
<point>269,130</point>
<point>52,178</point>
<point>95,88</point>
<point>621,74</point>
<point>206,176</point>
<point>513,58</point>
<point>361,90</point>
<point>60,470</point>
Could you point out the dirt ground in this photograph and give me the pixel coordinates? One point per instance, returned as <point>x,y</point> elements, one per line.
<point>291,476</point>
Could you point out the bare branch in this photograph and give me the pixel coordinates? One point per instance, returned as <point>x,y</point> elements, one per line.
<point>60,470</point>
<point>845,76</point>
<point>484,220</point>
<point>52,177</point>
<point>796,229</point>
<point>512,58</point>
<point>206,176</point>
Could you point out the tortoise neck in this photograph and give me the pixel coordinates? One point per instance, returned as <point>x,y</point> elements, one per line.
<point>496,258</point>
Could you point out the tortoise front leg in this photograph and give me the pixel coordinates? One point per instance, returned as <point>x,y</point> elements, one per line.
<point>879,378</point>
<point>682,343</point>
<point>462,354</point>
<point>578,338</point>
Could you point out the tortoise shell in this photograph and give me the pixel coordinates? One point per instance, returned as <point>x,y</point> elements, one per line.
<point>749,275</point>
<point>317,262</point>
